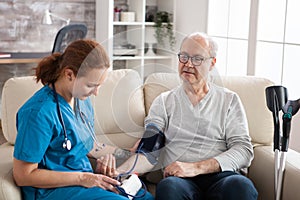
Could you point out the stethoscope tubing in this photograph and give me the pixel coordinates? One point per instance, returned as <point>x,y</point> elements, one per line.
<point>67,142</point>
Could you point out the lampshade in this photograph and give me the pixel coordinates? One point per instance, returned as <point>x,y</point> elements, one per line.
<point>47,17</point>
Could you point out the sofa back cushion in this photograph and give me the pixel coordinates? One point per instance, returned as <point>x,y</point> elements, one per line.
<point>119,108</point>
<point>15,93</point>
<point>250,89</point>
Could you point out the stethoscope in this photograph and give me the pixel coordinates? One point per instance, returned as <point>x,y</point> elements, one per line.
<point>88,126</point>
<point>67,143</point>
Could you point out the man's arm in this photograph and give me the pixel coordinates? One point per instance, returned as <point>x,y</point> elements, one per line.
<point>239,152</point>
<point>148,151</point>
<point>141,166</point>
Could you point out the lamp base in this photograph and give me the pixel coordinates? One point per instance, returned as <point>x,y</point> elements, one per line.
<point>152,50</point>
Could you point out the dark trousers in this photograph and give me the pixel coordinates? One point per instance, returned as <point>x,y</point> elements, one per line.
<point>224,185</point>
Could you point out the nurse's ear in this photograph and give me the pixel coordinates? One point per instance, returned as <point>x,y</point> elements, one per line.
<point>69,74</point>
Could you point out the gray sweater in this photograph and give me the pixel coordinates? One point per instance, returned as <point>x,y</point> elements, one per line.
<point>215,128</point>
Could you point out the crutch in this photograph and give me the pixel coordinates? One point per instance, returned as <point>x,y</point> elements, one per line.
<point>289,109</point>
<point>276,97</point>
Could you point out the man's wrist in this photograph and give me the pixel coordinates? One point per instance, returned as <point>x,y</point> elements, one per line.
<point>122,153</point>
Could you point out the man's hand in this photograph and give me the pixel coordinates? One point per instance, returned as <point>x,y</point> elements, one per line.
<point>181,169</point>
<point>184,169</point>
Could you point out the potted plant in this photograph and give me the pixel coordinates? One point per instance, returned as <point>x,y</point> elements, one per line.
<point>164,28</point>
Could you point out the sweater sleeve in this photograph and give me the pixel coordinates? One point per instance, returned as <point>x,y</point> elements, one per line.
<point>157,113</point>
<point>239,152</point>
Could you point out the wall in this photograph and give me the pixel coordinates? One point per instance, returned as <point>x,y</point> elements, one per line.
<point>22,29</point>
<point>191,16</point>
<point>21,22</point>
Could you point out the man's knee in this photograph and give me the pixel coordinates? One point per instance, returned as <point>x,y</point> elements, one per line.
<point>170,183</point>
<point>237,186</point>
<point>172,188</point>
<point>240,183</point>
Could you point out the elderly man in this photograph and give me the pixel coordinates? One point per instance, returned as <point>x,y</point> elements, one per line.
<point>206,140</point>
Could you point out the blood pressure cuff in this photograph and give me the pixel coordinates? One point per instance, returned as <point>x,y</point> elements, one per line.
<point>151,143</point>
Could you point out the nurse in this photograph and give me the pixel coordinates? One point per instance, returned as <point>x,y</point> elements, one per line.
<point>55,130</point>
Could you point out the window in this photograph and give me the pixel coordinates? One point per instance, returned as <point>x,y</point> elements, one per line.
<point>266,44</point>
<point>229,25</point>
<point>278,43</point>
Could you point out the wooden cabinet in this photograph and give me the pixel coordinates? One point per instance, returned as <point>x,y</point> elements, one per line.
<point>129,35</point>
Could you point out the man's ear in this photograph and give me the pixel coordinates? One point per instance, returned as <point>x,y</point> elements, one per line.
<point>213,62</point>
<point>69,74</point>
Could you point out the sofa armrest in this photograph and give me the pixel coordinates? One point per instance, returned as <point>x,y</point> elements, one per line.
<point>262,173</point>
<point>292,176</point>
<point>8,189</point>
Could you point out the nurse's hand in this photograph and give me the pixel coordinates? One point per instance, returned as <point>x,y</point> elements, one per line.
<point>106,165</point>
<point>98,180</point>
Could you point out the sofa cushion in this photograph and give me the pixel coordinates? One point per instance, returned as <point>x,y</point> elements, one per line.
<point>119,108</point>
<point>250,89</point>
<point>15,93</point>
<point>157,83</point>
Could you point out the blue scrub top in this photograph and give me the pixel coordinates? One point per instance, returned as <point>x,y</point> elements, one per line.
<point>40,134</point>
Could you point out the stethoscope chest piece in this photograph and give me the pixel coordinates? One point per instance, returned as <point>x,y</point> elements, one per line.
<point>67,145</point>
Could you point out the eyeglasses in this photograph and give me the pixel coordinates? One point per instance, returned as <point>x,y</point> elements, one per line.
<point>196,60</point>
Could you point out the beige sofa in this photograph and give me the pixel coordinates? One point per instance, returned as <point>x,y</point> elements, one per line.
<point>121,106</point>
